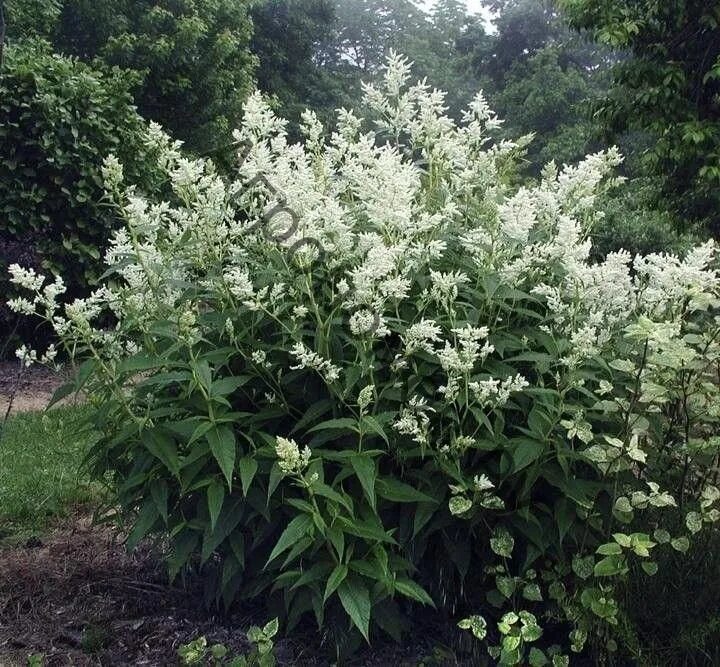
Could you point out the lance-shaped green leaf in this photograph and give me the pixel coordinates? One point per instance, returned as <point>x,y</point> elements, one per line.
<point>364,468</point>
<point>355,599</point>
<point>222,445</point>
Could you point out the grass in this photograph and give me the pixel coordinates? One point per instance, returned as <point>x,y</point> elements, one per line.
<point>40,467</point>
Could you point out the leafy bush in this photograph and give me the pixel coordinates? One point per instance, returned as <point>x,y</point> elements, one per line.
<point>31,18</point>
<point>197,652</point>
<point>60,118</point>
<point>370,372</point>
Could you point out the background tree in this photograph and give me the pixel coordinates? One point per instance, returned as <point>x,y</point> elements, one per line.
<point>669,88</point>
<point>539,76</point>
<point>547,95</point>
<point>192,57</point>
<point>295,42</point>
<point>442,56</point>
<point>31,18</point>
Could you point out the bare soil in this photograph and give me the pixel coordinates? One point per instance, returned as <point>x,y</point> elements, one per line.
<point>30,389</point>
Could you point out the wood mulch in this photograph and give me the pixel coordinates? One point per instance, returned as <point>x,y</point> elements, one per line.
<point>77,597</point>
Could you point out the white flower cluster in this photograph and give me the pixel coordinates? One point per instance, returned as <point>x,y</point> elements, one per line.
<point>291,460</point>
<point>309,359</point>
<point>496,393</point>
<point>414,420</point>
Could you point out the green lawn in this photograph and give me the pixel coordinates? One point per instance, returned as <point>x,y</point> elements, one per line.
<point>40,467</point>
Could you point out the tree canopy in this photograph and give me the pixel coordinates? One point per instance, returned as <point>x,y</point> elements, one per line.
<point>192,62</point>
<point>669,87</point>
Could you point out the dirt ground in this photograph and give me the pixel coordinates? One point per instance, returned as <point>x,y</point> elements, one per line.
<point>31,390</point>
<point>77,597</point>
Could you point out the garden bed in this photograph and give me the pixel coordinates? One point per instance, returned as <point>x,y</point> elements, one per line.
<point>77,597</point>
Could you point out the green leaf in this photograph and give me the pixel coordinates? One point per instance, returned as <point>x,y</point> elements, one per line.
<point>476,624</point>
<point>368,569</point>
<point>355,599</point>
<point>610,566</point>
<point>248,467</point>
<point>399,492</point>
<point>146,519</point>
<point>276,475</point>
<point>228,385</point>
<point>312,413</point>
<point>159,494</point>
<point>423,514</point>
<point>215,498</point>
<point>681,544</point>
<point>650,567</point>
<point>61,392</point>
<point>222,445</point>
<point>506,586</point>
<point>163,447</point>
<point>140,362</point>
<point>531,632</point>
<point>368,530</point>
<point>299,527</point>
<point>694,522</point>
<point>532,592</point>
<point>536,658</point>
<point>326,491</point>
<point>337,576</point>
<point>311,575</point>
<point>364,468</point>
<point>502,542</point>
<point>583,567</point>
<point>204,373</point>
<point>525,452</point>
<point>609,549</point>
<point>661,536</point>
<point>183,547</point>
<point>271,628</point>
<point>625,541</point>
<point>230,516</point>
<point>337,539</point>
<point>345,424</point>
<point>413,590</point>
<point>372,426</point>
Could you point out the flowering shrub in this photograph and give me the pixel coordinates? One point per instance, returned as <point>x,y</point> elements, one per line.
<point>370,372</point>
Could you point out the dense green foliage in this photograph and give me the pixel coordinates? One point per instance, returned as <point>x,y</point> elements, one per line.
<point>31,18</point>
<point>59,119</point>
<point>315,54</point>
<point>184,64</point>
<point>669,86</point>
<point>543,79</point>
<point>294,43</point>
